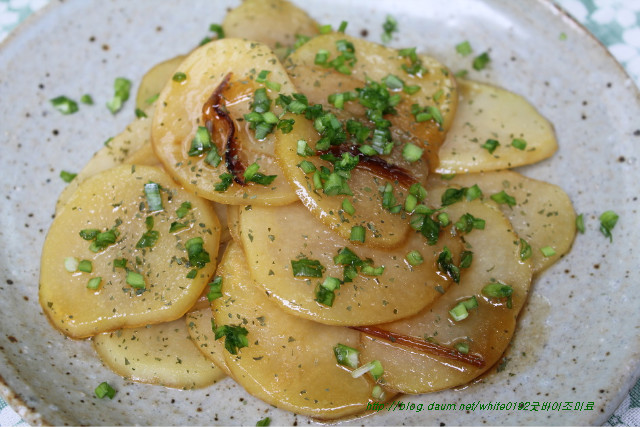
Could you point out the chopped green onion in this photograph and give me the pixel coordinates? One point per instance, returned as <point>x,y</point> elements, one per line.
<point>179,77</point>
<point>135,280</point>
<point>374,367</point>
<point>322,56</point>
<point>410,203</point>
<point>304,150</point>
<point>446,265</point>
<point>490,145</point>
<point>121,87</point>
<point>324,296</point>
<point>154,199</point>
<point>306,166</point>
<point>325,29</point>
<point>580,223</point>
<point>443,219</point>
<point>152,99</point>
<point>235,337</point>
<point>468,222</point>
<point>412,152</point>
<point>393,82</point>
<point>305,267</point>
<point>347,257</point>
<point>357,234</point>
<point>200,143</point>
<point>217,28</point>
<point>503,198</point>
<point>183,210</point>
<point>411,89</point>
<point>348,207</point>
<point>105,390</point>
<point>462,347</point>
<point>225,182</point>
<point>451,196</point>
<point>71,264</point>
<point>346,356</point>
<point>470,303</point>
<point>464,48</point>
<point>64,105</point>
<point>466,258</point>
<point>498,290</point>
<point>140,114</point>
<point>369,270</point>
<point>473,192</point>
<point>418,191</point>
<point>85,266</point>
<point>192,273</point>
<point>120,263</point>
<point>175,226</point>
<point>414,258</point>
<point>481,61</point>
<point>215,289</point>
<point>430,230</point>
<point>390,25</point>
<point>148,239</point>
<point>525,250</point>
<point>86,99</point>
<point>198,256</point>
<point>608,220</point>
<point>459,312</point>
<point>519,143</point>
<point>331,283</point>
<point>94,283</point>
<point>67,176</point>
<point>264,422</point>
<point>548,251</point>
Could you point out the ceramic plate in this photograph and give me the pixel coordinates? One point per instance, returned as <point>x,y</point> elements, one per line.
<point>578,337</point>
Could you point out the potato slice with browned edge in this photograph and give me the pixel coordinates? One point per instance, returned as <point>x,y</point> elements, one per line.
<point>160,354</point>
<point>487,330</point>
<point>289,362</point>
<point>541,213</point>
<point>374,123</point>
<point>494,129</point>
<point>276,23</point>
<point>199,323</point>
<point>119,254</point>
<point>274,239</point>
<point>418,79</point>
<point>115,152</point>
<point>199,131</point>
<point>155,80</point>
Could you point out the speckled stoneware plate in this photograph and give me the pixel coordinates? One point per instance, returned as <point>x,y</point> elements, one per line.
<point>578,338</point>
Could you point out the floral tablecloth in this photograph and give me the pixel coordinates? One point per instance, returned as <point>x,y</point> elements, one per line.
<point>615,22</point>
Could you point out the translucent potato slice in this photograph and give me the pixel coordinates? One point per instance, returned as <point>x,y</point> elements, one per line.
<point>160,354</point>
<point>289,362</point>
<point>154,81</point>
<point>219,84</point>
<point>274,237</point>
<point>374,61</point>
<point>543,215</point>
<point>115,199</point>
<point>199,326</point>
<point>112,154</point>
<point>487,112</point>
<point>488,328</point>
<point>276,23</point>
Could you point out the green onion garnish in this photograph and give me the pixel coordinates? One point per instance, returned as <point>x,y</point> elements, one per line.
<point>215,289</point>
<point>412,152</point>
<point>503,198</point>
<point>71,264</point>
<point>464,48</point>
<point>305,267</point>
<point>179,77</point>
<point>519,143</point>
<point>226,179</point>
<point>135,280</point>
<point>608,220</point>
<point>446,265</point>
<point>307,167</point>
<point>346,356</point>
<point>264,422</point>
<point>357,234</point>
<point>201,142</point>
<point>525,250</point>
<point>67,176</point>
<point>481,61</point>
<point>390,25</point>
<point>94,283</point>
<point>154,199</point>
<point>64,105</point>
<point>105,390</point>
<point>580,223</point>
<point>122,88</point>
<point>85,266</point>
<point>498,290</point>
<point>462,347</point>
<point>235,337</point>
<point>183,210</point>
<point>548,251</point>
<point>490,145</point>
<point>459,312</point>
<point>198,256</point>
<point>414,258</point>
<point>348,207</point>
<point>86,99</point>
<point>374,367</point>
<point>466,258</point>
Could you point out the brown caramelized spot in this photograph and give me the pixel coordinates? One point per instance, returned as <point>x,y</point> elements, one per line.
<point>374,164</point>
<point>214,111</point>
<point>421,345</point>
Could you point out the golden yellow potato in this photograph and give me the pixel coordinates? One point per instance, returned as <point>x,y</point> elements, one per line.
<point>154,81</point>
<point>136,271</point>
<point>160,354</point>
<point>200,330</point>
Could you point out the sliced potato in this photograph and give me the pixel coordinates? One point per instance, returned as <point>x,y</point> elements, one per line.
<point>219,84</point>
<point>199,324</point>
<point>543,214</point>
<point>289,362</point>
<point>154,287</point>
<point>275,237</point>
<point>233,219</point>
<point>276,23</point>
<point>487,112</point>
<point>154,81</point>
<point>437,86</point>
<point>488,328</point>
<point>374,62</point>
<point>114,153</point>
<point>160,354</point>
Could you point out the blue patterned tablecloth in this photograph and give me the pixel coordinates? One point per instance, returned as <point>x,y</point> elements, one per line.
<point>616,23</point>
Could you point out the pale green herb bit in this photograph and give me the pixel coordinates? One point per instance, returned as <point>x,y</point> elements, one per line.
<point>464,48</point>
<point>608,220</point>
<point>65,105</point>
<point>122,88</point>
